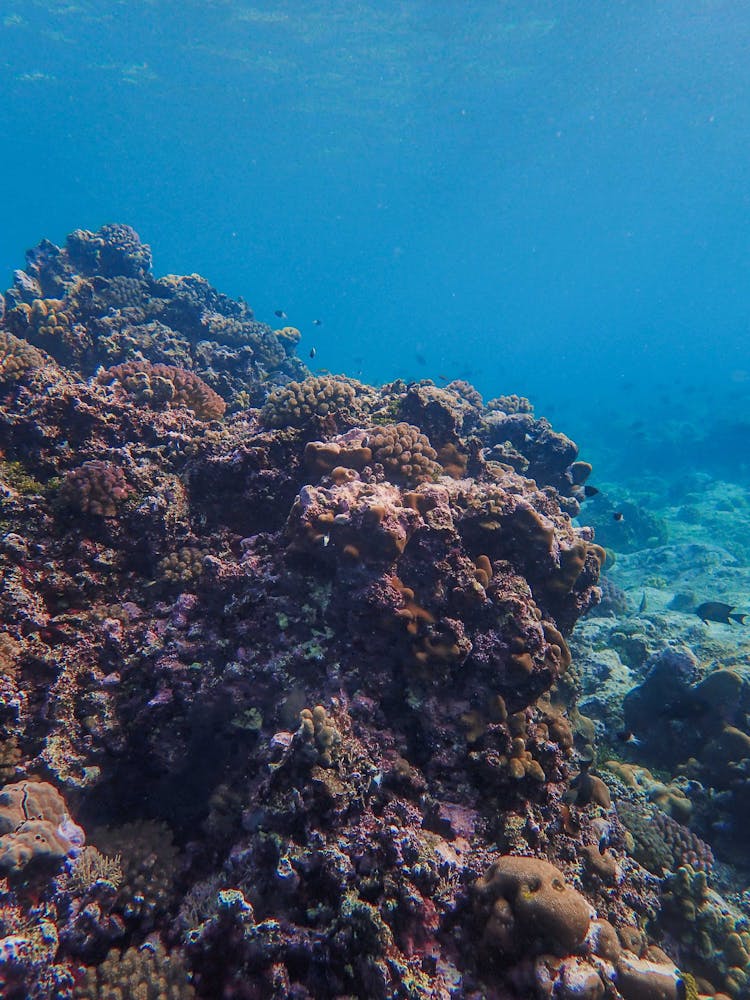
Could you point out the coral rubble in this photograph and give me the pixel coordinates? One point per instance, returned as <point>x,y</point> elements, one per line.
<point>293,651</point>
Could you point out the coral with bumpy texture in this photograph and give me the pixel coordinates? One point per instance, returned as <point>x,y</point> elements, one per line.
<point>96,488</point>
<point>156,384</point>
<point>16,357</point>
<point>404,452</point>
<point>146,973</point>
<point>319,396</point>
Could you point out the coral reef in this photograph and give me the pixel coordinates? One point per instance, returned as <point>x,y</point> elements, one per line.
<point>294,651</point>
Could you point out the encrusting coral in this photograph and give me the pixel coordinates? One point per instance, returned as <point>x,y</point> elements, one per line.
<point>315,633</point>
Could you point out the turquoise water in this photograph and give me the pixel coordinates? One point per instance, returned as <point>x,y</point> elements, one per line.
<point>548,198</point>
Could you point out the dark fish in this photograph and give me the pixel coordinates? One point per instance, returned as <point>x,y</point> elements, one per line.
<point>421,359</point>
<point>618,516</point>
<point>317,322</point>
<point>280,313</point>
<point>590,491</point>
<point>443,378</point>
<point>717,611</point>
<point>313,352</point>
<point>642,605</point>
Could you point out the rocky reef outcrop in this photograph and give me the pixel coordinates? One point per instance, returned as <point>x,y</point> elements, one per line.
<point>292,651</point>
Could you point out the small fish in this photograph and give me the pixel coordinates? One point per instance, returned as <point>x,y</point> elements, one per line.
<point>717,611</point>
<point>642,605</point>
<point>317,322</point>
<point>280,313</point>
<point>421,359</point>
<point>313,352</point>
<point>590,491</point>
<point>630,738</point>
<point>443,378</point>
<point>618,516</point>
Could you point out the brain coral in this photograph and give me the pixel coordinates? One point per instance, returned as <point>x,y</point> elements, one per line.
<point>526,900</point>
<point>36,830</point>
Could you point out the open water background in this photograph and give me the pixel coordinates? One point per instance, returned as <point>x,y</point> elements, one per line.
<point>549,198</point>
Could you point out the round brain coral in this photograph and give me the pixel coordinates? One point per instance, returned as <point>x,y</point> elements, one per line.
<point>529,900</point>
<point>404,452</point>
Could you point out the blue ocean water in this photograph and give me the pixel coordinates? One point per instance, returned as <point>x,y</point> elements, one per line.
<point>544,197</point>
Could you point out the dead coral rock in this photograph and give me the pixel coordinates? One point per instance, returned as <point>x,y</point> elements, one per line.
<point>526,903</point>
<point>111,251</point>
<point>36,831</point>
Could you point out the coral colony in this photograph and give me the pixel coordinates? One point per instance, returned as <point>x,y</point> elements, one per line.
<point>287,704</point>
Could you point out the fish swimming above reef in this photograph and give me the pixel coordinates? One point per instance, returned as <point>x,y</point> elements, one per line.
<point>280,313</point>
<point>717,611</point>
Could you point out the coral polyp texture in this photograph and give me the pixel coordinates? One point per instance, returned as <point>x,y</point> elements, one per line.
<point>286,696</point>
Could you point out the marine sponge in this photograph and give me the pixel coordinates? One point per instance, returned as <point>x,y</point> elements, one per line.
<point>294,404</point>
<point>17,356</point>
<point>158,385</point>
<point>36,830</point>
<point>145,973</point>
<point>404,452</point>
<point>526,902</point>
<point>96,488</point>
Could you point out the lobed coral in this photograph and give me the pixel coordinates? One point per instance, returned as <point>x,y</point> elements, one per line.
<point>16,357</point>
<point>36,830</point>
<point>318,396</point>
<point>158,385</point>
<point>148,973</point>
<point>96,488</point>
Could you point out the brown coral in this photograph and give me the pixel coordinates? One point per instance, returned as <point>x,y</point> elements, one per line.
<point>17,356</point>
<point>404,452</point>
<point>527,902</point>
<point>159,385</point>
<point>36,831</point>
<point>96,488</point>
<point>294,404</point>
<point>145,973</point>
